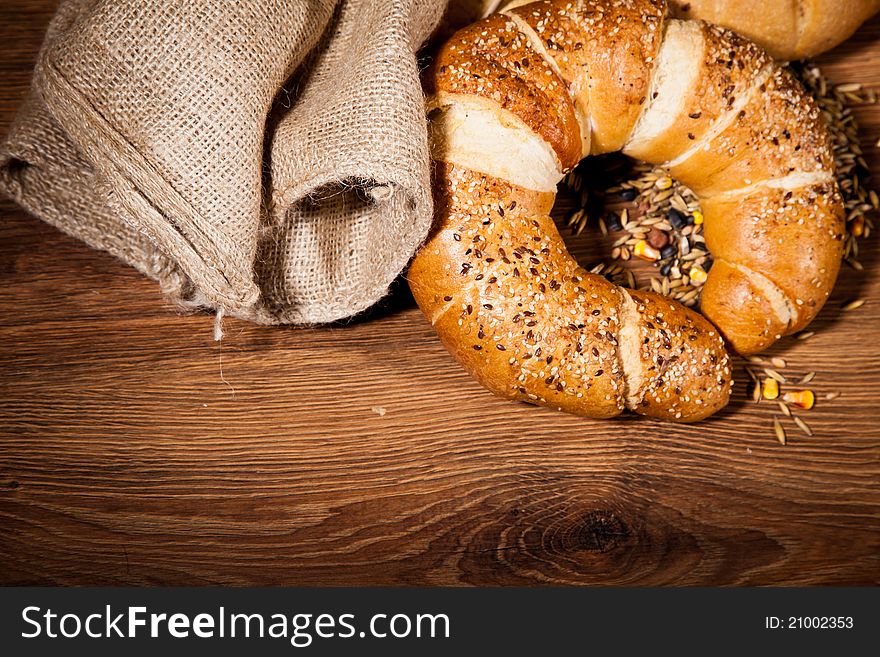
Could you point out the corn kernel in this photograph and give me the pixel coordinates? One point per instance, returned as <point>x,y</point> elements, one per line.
<point>771,389</point>
<point>697,275</point>
<point>857,226</point>
<point>802,398</point>
<point>645,251</point>
<point>664,183</point>
<point>698,217</point>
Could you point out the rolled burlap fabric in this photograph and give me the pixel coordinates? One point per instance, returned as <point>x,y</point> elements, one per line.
<point>264,158</point>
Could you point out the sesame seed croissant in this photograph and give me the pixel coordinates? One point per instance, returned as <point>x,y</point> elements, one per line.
<point>516,101</point>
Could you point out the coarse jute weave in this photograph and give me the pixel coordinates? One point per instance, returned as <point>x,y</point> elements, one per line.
<point>265,158</point>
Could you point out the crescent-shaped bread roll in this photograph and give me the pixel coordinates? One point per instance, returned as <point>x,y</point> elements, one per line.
<point>516,101</point>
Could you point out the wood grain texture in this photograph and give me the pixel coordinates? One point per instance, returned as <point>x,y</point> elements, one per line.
<point>136,450</point>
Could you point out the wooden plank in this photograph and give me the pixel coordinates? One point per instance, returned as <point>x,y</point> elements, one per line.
<point>136,450</point>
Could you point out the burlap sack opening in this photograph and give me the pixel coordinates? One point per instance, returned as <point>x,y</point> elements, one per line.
<point>146,136</point>
<point>349,177</point>
<point>337,252</point>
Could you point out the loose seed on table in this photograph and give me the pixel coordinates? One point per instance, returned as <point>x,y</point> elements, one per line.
<point>771,389</point>
<point>646,251</point>
<point>668,252</point>
<point>779,431</point>
<point>803,426</point>
<point>802,398</point>
<point>657,238</point>
<point>773,374</point>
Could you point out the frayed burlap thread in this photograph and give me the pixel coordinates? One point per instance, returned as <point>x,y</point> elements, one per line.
<point>267,159</point>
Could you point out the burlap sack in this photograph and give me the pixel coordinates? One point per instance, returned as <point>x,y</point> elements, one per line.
<point>266,158</point>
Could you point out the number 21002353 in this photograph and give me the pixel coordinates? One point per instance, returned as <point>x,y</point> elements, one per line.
<point>808,622</point>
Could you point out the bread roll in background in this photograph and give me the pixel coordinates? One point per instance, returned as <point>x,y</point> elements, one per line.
<point>787,29</point>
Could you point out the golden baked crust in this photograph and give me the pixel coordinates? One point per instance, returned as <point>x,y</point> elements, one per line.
<point>729,67</point>
<point>493,60</point>
<point>779,132</point>
<point>751,322</point>
<point>606,50</point>
<point>792,237</point>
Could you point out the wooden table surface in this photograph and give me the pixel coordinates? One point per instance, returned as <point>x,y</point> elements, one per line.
<point>136,450</point>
